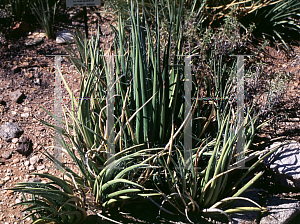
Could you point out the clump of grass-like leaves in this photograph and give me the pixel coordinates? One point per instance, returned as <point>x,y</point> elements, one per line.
<point>142,154</point>
<point>54,201</point>
<point>277,21</point>
<point>45,15</point>
<point>20,8</point>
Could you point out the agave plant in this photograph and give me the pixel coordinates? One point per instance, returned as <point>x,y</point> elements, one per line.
<point>149,122</point>
<point>276,22</point>
<point>54,201</point>
<point>45,15</point>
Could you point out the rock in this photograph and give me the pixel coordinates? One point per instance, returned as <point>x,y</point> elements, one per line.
<point>27,109</point>
<point>35,145</point>
<point>17,201</point>
<point>285,163</point>
<point>31,168</point>
<point>38,168</point>
<point>6,155</point>
<point>10,130</point>
<point>63,36</point>
<point>17,96</point>
<point>245,217</point>
<point>7,178</point>
<point>24,64</point>
<point>35,39</point>
<point>16,69</point>
<point>29,75</point>
<point>37,81</point>
<point>37,180</point>
<point>16,160</point>
<point>25,115</point>
<point>33,160</point>
<point>280,210</point>
<point>26,163</point>
<point>15,140</point>
<point>43,171</point>
<point>20,29</point>
<point>24,146</point>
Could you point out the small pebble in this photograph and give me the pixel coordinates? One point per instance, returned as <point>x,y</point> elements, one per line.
<point>31,168</point>
<point>26,163</point>
<point>44,171</point>
<point>33,160</point>
<point>25,115</point>
<point>14,140</point>
<point>18,201</point>
<point>26,109</point>
<point>35,180</point>
<point>40,167</point>
<point>16,160</point>
<point>6,155</point>
<point>7,178</point>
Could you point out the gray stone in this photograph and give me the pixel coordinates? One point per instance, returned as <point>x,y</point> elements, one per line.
<point>285,163</point>
<point>24,146</point>
<point>245,217</point>
<point>10,130</point>
<point>33,41</point>
<point>17,96</point>
<point>280,210</point>
<point>6,155</point>
<point>63,36</point>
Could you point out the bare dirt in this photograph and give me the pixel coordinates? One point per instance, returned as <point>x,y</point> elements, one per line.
<point>36,82</point>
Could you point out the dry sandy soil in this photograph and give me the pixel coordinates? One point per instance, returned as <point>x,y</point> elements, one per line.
<point>36,81</point>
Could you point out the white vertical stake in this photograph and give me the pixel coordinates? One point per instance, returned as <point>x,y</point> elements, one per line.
<point>188,108</point>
